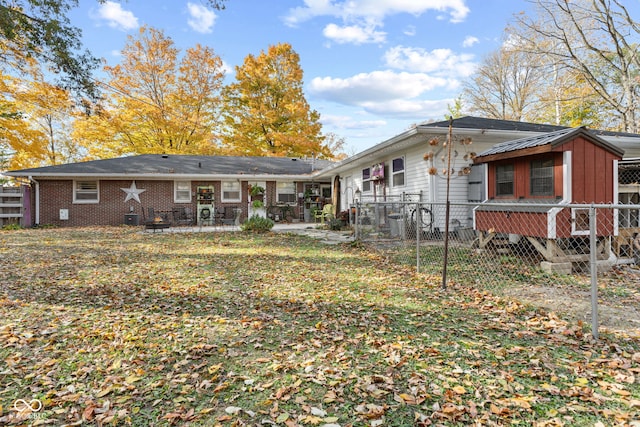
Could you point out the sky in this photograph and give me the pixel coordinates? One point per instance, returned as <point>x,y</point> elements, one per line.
<point>372,68</point>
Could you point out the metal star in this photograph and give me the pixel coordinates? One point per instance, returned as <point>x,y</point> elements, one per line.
<point>132,192</point>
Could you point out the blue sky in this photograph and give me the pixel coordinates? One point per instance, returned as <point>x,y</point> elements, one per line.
<point>372,68</point>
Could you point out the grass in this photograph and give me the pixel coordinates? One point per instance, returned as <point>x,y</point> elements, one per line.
<point>114,327</point>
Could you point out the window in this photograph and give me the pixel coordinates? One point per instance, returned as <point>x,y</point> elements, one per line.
<point>366,179</point>
<point>85,192</point>
<point>182,191</point>
<point>286,192</point>
<point>579,221</point>
<point>397,172</point>
<point>542,177</point>
<point>504,180</point>
<point>230,191</point>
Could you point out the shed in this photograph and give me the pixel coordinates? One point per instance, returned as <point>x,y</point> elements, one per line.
<point>552,170</point>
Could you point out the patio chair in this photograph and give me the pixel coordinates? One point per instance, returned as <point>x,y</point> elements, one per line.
<point>325,214</point>
<point>218,215</point>
<point>183,216</point>
<point>151,221</point>
<point>229,217</point>
<point>149,217</point>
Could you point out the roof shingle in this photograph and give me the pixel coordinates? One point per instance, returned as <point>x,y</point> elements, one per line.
<point>153,164</point>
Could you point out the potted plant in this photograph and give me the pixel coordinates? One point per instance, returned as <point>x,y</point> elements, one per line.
<point>256,190</point>
<point>307,194</point>
<point>256,205</point>
<point>343,217</point>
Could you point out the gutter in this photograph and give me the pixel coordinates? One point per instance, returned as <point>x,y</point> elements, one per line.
<point>169,176</point>
<point>37,197</point>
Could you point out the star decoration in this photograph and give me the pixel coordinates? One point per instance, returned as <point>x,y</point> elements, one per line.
<point>132,192</point>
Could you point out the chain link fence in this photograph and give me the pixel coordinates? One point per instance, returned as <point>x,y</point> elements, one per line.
<point>569,255</point>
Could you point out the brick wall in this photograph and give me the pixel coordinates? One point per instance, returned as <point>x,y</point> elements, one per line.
<point>58,194</point>
<point>111,210</point>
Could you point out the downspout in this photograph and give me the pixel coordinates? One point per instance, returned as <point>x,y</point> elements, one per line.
<point>37,197</point>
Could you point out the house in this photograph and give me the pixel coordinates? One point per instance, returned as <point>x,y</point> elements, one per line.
<point>121,190</point>
<point>543,173</point>
<point>413,165</point>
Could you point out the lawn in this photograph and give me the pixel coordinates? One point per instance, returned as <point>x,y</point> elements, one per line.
<point>109,326</point>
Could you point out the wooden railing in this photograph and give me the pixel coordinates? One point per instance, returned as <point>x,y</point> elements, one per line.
<point>11,205</point>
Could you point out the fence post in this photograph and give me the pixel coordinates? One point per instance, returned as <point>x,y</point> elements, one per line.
<point>593,247</point>
<point>357,221</point>
<point>445,259</point>
<point>418,231</point>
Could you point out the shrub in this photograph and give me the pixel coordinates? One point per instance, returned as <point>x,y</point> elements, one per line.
<point>12,226</point>
<point>257,224</point>
<point>334,224</point>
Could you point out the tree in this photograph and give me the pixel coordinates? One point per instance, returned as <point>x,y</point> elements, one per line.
<point>266,113</point>
<point>505,85</point>
<point>456,109</point>
<point>156,102</point>
<point>17,138</point>
<point>596,40</point>
<point>42,30</point>
<point>336,145</point>
<point>48,109</point>
<point>35,123</point>
<point>567,100</point>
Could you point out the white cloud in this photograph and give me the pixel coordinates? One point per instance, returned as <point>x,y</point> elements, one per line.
<point>410,31</point>
<point>312,9</point>
<point>117,17</point>
<point>470,41</point>
<point>386,93</point>
<point>227,68</point>
<point>349,10</point>
<point>348,122</point>
<point>374,86</point>
<point>418,109</point>
<point>438,61</point>
<point>353,34</point>
<point>202,19</point>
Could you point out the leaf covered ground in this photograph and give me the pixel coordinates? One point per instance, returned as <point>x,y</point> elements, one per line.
<point>109,326</point>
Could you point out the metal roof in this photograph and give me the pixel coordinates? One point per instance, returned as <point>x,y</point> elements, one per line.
<point>553,138</point>
<point>160,164</point>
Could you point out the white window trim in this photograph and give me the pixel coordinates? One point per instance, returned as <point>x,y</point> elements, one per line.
<point>393,174</point>
<point>370,181</point>
<point>86,201</point>
<point>292,187</point>
<point>176,199</point>
<point>575,231</point>
<point>222,191</point>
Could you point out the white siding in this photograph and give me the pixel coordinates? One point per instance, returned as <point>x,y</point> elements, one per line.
<point>417,178</point>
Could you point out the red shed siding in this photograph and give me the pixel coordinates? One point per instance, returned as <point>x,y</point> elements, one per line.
<point>525,223</point>
<point>521,167</point>
<point>592,181</point>
<point>534,224</point>
<point>592,171</point>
